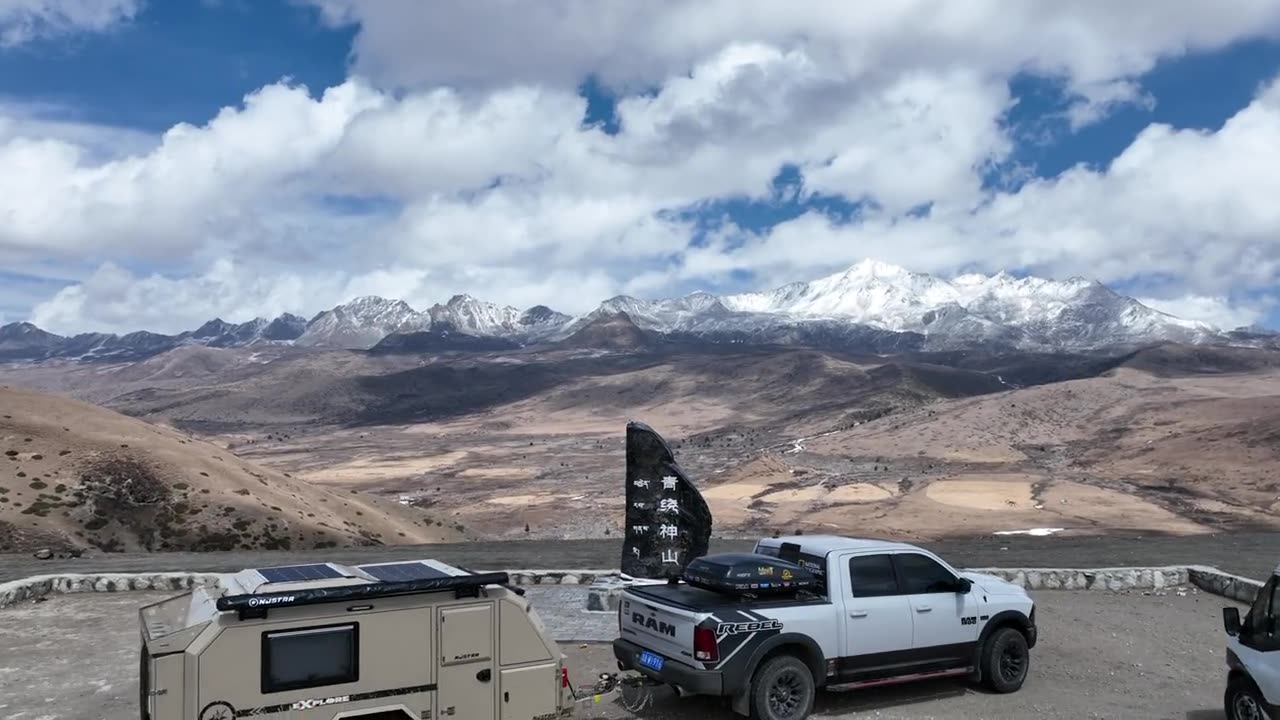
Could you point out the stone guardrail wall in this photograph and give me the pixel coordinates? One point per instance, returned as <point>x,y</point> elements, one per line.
<point>1208,579</point>
<point>1107,579</point>
<point>1215,581</point>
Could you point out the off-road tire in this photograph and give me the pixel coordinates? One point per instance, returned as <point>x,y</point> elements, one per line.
<point>782,689</point>
<point>1242,701</point>
<point>1005,660</point>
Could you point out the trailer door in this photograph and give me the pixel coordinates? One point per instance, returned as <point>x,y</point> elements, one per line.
<point>466,686</point>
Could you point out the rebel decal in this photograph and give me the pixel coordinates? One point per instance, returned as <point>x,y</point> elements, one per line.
<point>735,628</point>
<point>738,635</point>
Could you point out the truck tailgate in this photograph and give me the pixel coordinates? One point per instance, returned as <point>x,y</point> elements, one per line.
<point>660,628</point>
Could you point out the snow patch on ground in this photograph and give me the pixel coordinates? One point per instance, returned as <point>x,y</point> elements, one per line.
<point>1038,532</point>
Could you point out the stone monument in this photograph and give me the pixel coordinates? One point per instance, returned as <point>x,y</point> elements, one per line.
<point>668,522</point>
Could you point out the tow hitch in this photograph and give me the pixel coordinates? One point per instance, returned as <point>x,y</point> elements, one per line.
<point>635,692</point>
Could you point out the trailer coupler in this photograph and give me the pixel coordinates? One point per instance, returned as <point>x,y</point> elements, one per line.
<point>635,690</point>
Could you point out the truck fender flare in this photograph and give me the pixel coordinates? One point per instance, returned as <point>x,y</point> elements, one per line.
<point>1000,619</point>
<point>811,655</point>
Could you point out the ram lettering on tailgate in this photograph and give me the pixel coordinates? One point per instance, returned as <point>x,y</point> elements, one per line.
<point>653,624</point>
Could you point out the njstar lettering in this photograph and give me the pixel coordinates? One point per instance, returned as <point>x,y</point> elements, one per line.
<point>653,624</point>
<point>258,602</point>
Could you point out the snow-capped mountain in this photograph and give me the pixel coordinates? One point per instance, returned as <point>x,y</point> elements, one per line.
<point>467,315</point>
<point>362,323</point>
<point>1025,311</point>
<point>24,341</point>
<point>286,328</point>
<point>870,307</point>
<point>476,317</point>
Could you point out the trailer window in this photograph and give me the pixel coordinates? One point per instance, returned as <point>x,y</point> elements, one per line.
<point>310,657</point>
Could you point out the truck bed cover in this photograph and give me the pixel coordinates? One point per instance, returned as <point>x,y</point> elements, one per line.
<point>686,597</point>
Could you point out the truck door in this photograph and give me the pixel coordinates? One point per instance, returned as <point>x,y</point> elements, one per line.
<point>466,683</point>
<point>877,617</point>
<point>1259,647</point>
<point>944,622</point>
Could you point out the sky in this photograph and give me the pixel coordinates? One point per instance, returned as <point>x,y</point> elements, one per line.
<point>163,163</point>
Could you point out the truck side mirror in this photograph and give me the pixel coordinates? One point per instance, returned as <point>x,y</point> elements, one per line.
<point>1231,620</point>
<point>964,585</point>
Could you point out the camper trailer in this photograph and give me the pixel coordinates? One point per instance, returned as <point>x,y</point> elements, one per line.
<point>387,641</point>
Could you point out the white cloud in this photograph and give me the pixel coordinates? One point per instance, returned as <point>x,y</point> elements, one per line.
<point>558,42</point>
<point>114,299</point>
<point>199,184</point>
<point>462,128</point>
<point>24,20</point>
<point>1192,205</point>
<point>1218,311</point>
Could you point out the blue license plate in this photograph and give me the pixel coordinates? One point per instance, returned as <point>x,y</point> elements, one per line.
<point>651,661</point>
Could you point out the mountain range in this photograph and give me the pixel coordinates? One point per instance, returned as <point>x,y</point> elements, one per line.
<point>870,307</point>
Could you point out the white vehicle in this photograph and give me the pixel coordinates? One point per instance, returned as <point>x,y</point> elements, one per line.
<point>805,612</point>
<point>1253,656</point>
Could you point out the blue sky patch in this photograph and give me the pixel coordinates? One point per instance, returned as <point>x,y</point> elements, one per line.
<point>177,61</point>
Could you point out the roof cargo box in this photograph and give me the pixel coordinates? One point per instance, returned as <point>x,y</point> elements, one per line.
<point>747,573</point>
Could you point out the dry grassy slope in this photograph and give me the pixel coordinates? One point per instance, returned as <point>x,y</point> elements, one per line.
<point>73,474</point>
<point>1178,452</point>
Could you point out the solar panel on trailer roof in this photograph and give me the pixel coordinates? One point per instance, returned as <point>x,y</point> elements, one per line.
<point>400,572</point>
<point>298,573</point>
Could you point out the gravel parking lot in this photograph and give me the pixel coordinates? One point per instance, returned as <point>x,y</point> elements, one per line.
<point>1101,655</point>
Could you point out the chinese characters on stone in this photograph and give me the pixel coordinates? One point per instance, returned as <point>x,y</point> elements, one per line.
<point>669,530</point>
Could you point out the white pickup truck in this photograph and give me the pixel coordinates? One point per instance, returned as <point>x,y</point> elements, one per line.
<point>1253,656</point>
<point>878,613</point>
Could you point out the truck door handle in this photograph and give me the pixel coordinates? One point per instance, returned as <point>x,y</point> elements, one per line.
<point>484,675</point>
<point>857,613</point>
<point>924,608</point>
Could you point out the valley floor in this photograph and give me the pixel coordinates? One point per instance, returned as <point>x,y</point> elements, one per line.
<point>1176,440</point>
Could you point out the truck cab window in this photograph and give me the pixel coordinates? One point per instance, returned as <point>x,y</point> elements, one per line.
<point>1262,609</point>
<point>1262,624</point>
<point>872,576</point>
<point>919,575</point>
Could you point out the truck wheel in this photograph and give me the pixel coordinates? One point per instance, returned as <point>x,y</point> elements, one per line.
<point>1243,701</point>
<point>1005,660</point>
<point>782,689</point>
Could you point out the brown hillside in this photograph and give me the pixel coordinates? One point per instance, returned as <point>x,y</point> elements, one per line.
<point>610,332</point>
<point>77,475</point>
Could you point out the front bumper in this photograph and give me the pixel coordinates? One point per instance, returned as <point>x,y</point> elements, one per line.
<point>691,680</point>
